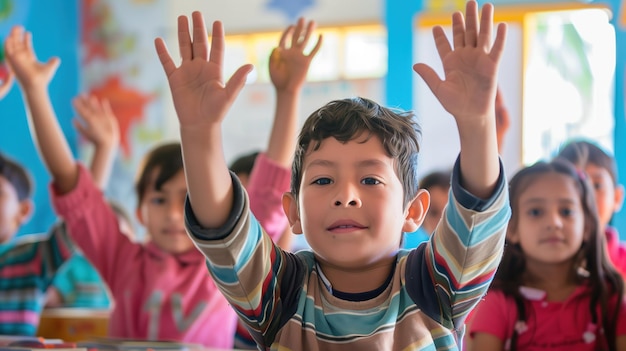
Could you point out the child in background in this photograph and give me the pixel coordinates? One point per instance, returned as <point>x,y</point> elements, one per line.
<point>437,183</point>
<point>353,191</point>
<point>78,284</point>
<point>555,288</point>
<point>161,289</point>
<point>242,166</point>
<point>28,263</point>
<point>602,171</point>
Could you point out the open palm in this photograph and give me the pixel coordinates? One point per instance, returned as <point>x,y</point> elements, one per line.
<point>470,68</point>
<point>22,60</point>
<point>201,97</point>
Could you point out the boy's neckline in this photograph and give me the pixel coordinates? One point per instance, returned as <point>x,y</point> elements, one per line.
<point>360,296</point>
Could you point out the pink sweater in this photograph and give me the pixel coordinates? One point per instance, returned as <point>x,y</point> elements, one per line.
<point>159,296</point>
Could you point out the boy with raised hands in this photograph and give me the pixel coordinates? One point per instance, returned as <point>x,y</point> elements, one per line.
<point>353,192</point>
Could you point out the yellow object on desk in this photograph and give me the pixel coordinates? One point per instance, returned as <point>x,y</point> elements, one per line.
<point>74,324</point>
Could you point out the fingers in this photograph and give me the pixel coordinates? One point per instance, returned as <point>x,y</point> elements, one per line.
<point>82,107</point>
<point>498,45</point>
<point>200,40</point>
<point>216,55</point>
<point>295,38</point>
<point>53,64</point>
<point>283,38</point>
<point>307,34</point>
<point>238,80</point>
<point>486,27</point>
<point>317,47</point>
<point>184,40</point>
<point>429,76</point>
<point>12,43</point>
<point>164,56</point>
<point>458,30</point>
<point>471,23</point>
<point>441,42</point>
<point>106,107</point>
<point>81,129</point>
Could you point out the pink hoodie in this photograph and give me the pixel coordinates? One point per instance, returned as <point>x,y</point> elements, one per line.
<point>160,296</point>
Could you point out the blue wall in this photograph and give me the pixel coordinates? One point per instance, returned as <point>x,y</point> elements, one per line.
<point>55,31</point>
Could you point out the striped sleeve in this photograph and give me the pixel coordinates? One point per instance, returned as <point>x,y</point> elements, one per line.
<point>457,264</point>
<point>247,267</point>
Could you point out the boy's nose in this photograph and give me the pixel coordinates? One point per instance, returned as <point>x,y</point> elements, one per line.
<point>347,201</point>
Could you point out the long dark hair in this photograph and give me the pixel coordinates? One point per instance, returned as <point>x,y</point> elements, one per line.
<point>592,257</point>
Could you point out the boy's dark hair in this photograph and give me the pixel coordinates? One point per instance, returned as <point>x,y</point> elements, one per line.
<point>582,152</point>
<point>435,179</point>
<point>604,281</point>
<point>348,119</point>
<point>244,163</point>
<point>17,175</point>
<point>166,160</point>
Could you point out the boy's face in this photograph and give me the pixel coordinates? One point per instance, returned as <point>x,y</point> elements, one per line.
<point>608,197</point>
<point>161,212</point>
<point>13,212</point>
<point>350,206</point>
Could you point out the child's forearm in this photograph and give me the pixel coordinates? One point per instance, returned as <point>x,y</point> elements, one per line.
<point>209,184</point>
<point>50,140</point>
<point>480,166</point>
<point>102,163</point>
<point>282,140</point>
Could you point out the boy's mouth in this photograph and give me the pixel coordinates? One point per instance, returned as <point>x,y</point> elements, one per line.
<point>345,225</point>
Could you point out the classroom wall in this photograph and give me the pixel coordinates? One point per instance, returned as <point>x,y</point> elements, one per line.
<point>116,58</point>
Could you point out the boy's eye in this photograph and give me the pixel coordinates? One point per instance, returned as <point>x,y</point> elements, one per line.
<point>566,212</point>
<point>534,212</point>
<point>597,186</point>
<point>370,181</point>
<point>322,181</point>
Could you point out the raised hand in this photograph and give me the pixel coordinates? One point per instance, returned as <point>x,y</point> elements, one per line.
<point>470,67</point>
<point>201,97</point>
<point>98,124</point>
<point>23,62</point>
<point>6,83</point>
<point>96,121</point>
<point>288,62</point>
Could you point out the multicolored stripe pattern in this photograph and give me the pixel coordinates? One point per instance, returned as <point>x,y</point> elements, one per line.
<point>27,266</point>
<point>285,304</point>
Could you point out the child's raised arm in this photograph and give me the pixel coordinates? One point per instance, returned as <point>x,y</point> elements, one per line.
<point>469,90</point>
<point>6,83</point>
<point>99,126</point>
<point>33,78</point>
<point>289,66</point>
<point>201,99</point>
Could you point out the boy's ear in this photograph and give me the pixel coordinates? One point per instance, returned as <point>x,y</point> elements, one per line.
<point>619,198</point>
<point>26,210</point>
<point>290,206</point>
<point>416,211</point>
